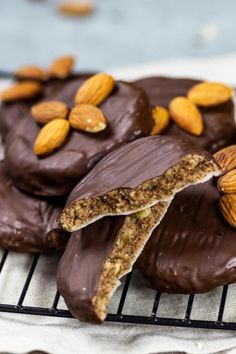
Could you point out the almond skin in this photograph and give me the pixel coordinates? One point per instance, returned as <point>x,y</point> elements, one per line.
<point>95,90</point>
<point>227,183</point>
<point>31,72</point>
<point>161,118</point>
<point>186,115</point>
<point>228,208</point>
<point>75,8</point>
<point>62,67</point>
<point>209,94</point>
<point>44,112</point>
<point>51,136</point>
<point>21,91</point>
<point>226,158</point>
<point>87,118</point>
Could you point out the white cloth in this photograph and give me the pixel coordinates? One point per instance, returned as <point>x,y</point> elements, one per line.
<point>21,333</point>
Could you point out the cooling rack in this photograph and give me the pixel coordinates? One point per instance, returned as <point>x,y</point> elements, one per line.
<point>118,315</point>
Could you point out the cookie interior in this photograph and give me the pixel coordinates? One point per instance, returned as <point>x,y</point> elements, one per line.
<point>123,201</point>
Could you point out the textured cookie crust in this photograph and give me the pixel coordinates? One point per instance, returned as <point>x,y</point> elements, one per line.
<point>137,176</point>
<point>96,258</point>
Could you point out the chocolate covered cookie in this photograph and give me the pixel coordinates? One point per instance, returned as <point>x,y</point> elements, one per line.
<point>136,176</point>
<point>128,117</point>
<point>97,256</point>
<point>193,250</point>
<point>219,122</point>
<point>28,224</point>
<point>81,264</point>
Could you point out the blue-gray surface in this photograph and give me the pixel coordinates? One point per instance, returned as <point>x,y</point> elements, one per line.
<point>119,32</point>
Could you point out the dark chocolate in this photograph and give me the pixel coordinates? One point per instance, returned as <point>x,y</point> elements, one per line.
<point>219,121</point>
<point>132,164</point>
<point>81,265</point>
<point>28,224</point>
<point>128,115</point>
<point>193,250</point>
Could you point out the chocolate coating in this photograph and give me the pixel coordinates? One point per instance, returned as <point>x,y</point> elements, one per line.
<point>128,115</point>
<point>28,224</point>
<point>193,250</point>
<point>11,113</point>
<point>81,265</point>
<point>135,163</point>
<point>219,121</point>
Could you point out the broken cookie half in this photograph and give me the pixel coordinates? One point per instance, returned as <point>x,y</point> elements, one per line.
<point>137,176</point>
<point>97,256</point>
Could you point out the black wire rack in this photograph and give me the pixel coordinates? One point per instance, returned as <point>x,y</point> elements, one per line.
<point>118,316</point>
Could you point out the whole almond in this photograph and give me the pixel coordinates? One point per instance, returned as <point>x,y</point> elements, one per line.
<point>51,136</point>
<point>228,208</point>
<point>227,183</point>
<point>44,112</point>
<point>208,94</point>
<point>95,90</point>
<point>21,91</point>
<point>62,67</point>
<point>31,72</point>
<point>75,8</point>
<point>226,158</point>
<point>161,119</point>
<point>186,115</point>
<point>87,118</point>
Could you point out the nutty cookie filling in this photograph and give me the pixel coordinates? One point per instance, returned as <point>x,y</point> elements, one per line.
<point>97,257</point>
<point>129,243</point>
<point>135,177</point>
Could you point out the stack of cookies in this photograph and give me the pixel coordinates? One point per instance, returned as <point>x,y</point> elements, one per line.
<point>119,175</point>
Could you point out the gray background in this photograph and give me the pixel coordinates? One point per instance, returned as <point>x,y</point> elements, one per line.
<point>120,32</point>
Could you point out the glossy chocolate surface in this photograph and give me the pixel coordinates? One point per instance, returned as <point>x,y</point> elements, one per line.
<point>28,224</point>
<point>135,163</point>
<point>220,128</point>
<point>193,250</point>
<point>128,114</point>
<point>81,264</point>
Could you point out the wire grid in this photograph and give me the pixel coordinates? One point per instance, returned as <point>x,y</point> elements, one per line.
<point>119,316</point>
